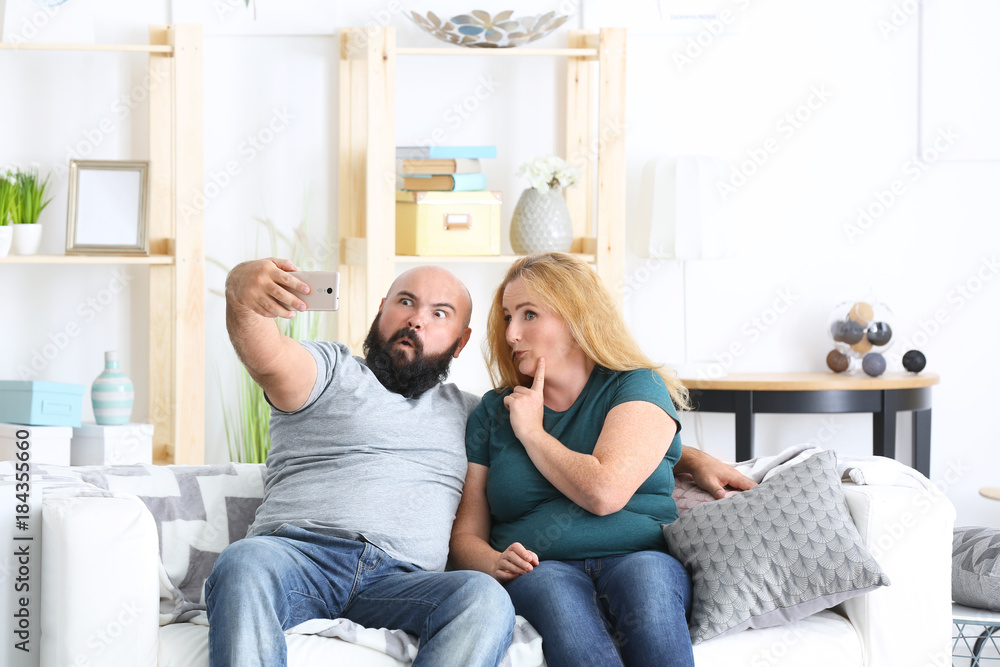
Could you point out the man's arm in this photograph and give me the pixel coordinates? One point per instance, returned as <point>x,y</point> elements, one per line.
<point>710,473</point>
<point>256,293</point>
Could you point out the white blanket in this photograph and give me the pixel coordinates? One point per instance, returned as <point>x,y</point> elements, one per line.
<point>525,648</point>
<point>871,470</point>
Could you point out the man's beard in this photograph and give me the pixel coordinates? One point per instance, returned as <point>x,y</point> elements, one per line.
<point>409,378</point>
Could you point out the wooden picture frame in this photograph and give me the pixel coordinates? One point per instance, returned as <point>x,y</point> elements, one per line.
<point>108,210</point>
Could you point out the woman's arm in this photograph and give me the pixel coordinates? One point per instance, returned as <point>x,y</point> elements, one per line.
<point>470,548</point>
<point>711,474</point>
<point>633,441</point>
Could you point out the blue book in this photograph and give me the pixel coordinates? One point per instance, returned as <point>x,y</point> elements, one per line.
<point>445,152</point>
<point>425,182</point>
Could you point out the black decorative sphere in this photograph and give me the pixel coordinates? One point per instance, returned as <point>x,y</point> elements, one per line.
<point>914,361</point>
<point>873,364</point>
<point>837,361</point>
<point>852,332</point>
<point>879,333</point>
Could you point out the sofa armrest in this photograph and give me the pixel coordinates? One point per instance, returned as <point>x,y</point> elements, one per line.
<point>909,532</point>
<point>100,583</point>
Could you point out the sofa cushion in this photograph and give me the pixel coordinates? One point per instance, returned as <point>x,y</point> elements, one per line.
<point>338,642</point>
<point>825,639</point>
<point>975,569</point>
<point>779,552</point>
<point>199,511</point>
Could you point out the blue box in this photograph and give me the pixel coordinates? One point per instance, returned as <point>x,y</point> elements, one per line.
<point>41,403</point>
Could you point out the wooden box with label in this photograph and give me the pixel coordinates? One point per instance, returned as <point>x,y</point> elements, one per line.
<point>448,223</point>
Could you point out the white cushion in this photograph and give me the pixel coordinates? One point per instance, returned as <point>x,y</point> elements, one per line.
<point>825,639</point>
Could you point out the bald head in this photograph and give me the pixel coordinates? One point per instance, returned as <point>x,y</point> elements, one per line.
<point>435,280</point>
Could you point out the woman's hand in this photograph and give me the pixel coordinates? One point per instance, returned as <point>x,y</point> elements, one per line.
<point>527,406</point>
<point>514,561</point>
<point>711,474</point>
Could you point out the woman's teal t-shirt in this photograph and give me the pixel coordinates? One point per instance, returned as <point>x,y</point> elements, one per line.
<point>526,508</point>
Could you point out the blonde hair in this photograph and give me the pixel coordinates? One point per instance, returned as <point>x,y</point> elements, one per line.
<point>572,290</point>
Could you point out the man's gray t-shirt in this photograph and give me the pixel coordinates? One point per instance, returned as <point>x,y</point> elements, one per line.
<point>362,462</point>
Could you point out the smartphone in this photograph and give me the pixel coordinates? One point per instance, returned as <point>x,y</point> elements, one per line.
<point>324,289</point>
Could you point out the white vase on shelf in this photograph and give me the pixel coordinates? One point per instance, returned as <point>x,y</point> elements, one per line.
<point>27,238</point>
<point>6,238</point>
<point>541,223</point>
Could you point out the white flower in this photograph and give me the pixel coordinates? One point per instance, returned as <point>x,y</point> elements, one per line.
<point>548,171</point>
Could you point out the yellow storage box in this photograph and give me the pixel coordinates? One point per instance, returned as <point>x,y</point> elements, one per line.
<point>447,223</point>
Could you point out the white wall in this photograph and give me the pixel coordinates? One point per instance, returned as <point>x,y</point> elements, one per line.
<point>790,220</point>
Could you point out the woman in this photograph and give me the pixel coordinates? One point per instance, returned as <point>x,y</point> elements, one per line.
<point>571,473</point>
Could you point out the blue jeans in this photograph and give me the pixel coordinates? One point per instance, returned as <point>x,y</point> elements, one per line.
<point>621,610</point>
<point>263,585</point>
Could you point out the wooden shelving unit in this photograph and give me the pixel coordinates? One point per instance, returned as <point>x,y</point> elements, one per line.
<point>176,263</point>
<point>595,62</point>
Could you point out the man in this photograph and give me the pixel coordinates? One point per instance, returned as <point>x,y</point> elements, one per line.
<point>364,477</point>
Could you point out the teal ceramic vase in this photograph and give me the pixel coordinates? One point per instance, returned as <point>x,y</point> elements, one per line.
<point>112,393</point>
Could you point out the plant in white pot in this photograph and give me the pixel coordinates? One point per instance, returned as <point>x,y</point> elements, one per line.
<point>30,204</point>
<point>8,202</point>
<point>541,220</point>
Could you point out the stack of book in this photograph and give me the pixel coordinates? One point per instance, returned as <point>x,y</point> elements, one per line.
<point>441,168</point>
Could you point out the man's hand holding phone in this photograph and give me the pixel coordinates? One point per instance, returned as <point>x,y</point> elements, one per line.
<point>324,289</point>
<point>275,287</point>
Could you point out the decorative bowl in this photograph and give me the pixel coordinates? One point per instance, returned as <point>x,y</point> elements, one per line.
<point>479,29</point>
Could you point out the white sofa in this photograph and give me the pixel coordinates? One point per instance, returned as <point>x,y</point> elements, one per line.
<point>101,582</point>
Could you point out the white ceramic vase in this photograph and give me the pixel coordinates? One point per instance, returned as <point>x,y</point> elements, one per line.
<point>6,237</point>
<point>27,238</point>
<point>541,223</point>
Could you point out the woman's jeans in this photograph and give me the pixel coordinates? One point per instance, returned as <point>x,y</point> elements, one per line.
<point>261,586</point>
<point>629,610</point>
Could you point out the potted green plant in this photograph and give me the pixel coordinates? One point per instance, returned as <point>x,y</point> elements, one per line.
<point>31,202</point>
<point>8,201</point>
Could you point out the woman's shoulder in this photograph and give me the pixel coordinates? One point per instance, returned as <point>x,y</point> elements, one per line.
<point>640,378</point>
<point>643,384</point>
<point>493,399</point>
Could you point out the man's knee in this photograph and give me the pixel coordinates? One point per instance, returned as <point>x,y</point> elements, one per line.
<point>484,594</point>
<point>243,563</point>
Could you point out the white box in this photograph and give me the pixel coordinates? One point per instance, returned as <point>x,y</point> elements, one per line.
<point>122,444</point>
<point>46,444</point>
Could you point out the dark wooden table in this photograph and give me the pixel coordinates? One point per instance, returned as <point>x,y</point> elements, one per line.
<point>749,394</point>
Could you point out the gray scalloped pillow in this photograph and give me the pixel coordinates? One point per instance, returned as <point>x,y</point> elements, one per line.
<point>779,552</point>
<point>975,569</point>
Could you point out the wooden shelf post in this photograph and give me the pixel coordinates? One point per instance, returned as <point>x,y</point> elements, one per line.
<point>176,291</point>
<point>367,176</point>
<point>610,140</point>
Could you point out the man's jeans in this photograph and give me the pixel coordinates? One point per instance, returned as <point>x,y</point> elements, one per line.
<point>266,584</point>
<point>609,611</point>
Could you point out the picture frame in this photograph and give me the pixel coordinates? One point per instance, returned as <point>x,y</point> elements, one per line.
<point>108,210</point>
